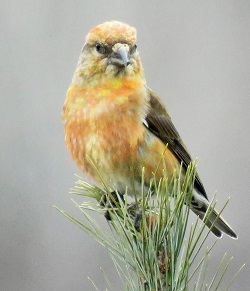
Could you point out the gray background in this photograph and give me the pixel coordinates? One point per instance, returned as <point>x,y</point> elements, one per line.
<point>196,56</point>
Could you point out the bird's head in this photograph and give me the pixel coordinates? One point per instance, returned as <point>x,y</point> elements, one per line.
<point>110,51</point>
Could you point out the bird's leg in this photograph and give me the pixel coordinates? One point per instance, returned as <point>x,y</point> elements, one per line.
<point>111,200</point>
<point>138,219</point>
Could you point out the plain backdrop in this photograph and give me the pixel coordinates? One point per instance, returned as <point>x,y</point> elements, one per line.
<point>196,56</point>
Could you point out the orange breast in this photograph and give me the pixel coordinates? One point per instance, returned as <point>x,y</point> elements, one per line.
<point>103,127</point>
<point>105,135</point>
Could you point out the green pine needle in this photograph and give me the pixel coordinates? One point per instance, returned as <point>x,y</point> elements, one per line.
<point>149,240</point>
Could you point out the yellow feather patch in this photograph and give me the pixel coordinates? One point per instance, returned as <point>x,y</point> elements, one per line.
<point>112,32</point>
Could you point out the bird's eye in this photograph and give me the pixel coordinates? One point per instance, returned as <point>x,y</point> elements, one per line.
<point>100,48</point>
<point>133,49</point>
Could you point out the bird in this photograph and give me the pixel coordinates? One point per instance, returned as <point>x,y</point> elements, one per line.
<point>115,125</point>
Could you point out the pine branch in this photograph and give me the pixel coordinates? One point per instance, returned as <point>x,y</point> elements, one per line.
<point>149,241</point>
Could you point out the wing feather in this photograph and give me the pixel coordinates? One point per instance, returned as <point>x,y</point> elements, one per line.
<point>159,123</point>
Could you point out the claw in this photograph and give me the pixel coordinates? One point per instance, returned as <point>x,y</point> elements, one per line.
<point>109,200</point>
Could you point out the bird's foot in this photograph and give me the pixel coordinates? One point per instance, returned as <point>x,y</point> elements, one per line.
<point>110,201</point>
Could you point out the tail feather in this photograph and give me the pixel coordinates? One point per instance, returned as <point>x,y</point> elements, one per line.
<point>209,224</point>
<point>214,221</point>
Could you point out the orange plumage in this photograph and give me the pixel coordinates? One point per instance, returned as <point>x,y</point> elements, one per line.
<point>115,125</point>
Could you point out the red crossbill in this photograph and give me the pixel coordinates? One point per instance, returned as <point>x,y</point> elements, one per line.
<point>115,125</point>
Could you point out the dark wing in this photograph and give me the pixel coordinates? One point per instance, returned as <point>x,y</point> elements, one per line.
<point>159,123</point>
